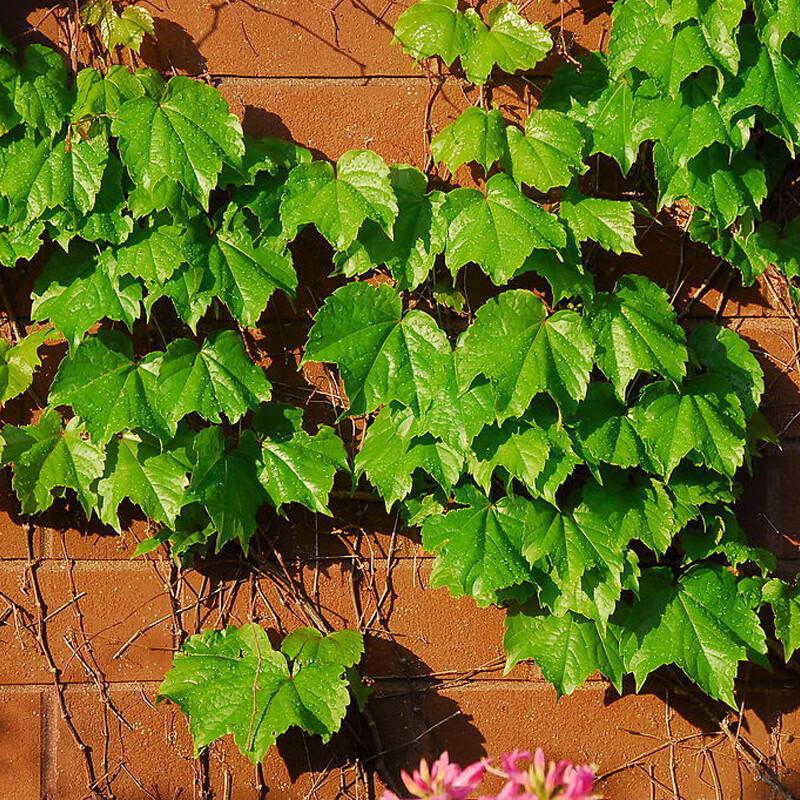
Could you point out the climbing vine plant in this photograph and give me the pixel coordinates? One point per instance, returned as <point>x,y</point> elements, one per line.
<point>570,454</point>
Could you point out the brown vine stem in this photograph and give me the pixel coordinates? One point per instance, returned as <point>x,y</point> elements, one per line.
<point>31,571</point>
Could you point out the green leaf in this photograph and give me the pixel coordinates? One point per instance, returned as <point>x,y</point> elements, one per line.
<point>9,116</point>
<point>42,97</point>
<point>605,431</point>
<point>337,204</point>
<point>226,481</point>
<point>394,447</point>
<point>48,456</point>
<point>607,222</point>
<point>418,235</point>
<point>137,469</point>
<point>18,363</point>
<point>153,253</point>
<point>548,154</point>
<point>233,682</point>
<point>20,242</point>
<point>702,416</point>
<point>499,230</point>
<point>725,186</point>
<point>636,330</point>
<point>295,467</point>
<point>382,354</point>
<point>785,602</point>
<point>568,649</point>
<point>217,378</point>
<point>243,274</point>
<point>118,30</point>
<point>433,28</point>
<point>101,95</point>
<point>523,351</point>
<point>510,41</point>
<point>723,352</point>
<point>308,646</point>
<point>697,622</point>
<point>77,289</point>
<point>109,389</point>
<point>775,20</point>
<point>192,128</point>
<point>273,156</point>
<point>66,174</point>
<point>519,448</point>
<point>187,289</point>
<point>768,81</point>
<point>479,548</point>
<point>476,135</point>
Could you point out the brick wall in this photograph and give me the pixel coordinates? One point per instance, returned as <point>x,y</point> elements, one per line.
<point>329,79</point>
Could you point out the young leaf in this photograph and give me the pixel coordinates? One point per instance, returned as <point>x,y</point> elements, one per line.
<point>702,416</point>
<point>433,28</point>
<point>636,331</point>
<point>217,378</point>
<point>337,204</point>
<point>309,646</point>
<point>226,481</point>
<point>119,30</point>
<point>510,41</point>
<point>109,389</point>
<point>479,548</point>
<point>497,231</point>
<point>18,363</point>
<point>549,154</point>
<point>607,222</point>
<point>382,354</point>
<point>568,649</point>
<point>191,125</point>
<point>785,602</point>
<point>233,682</point>
<point>137,469</point>
<point>48,456</point>
<point>476,135</point>
<point>295,467</point>
<point>523,351</point>
<point>78,289</point>
<point>698,622</point>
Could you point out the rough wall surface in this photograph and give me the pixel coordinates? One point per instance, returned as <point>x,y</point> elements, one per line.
<point>79,701</point>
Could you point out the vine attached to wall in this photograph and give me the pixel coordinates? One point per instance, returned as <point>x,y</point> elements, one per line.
<point>570,454</point>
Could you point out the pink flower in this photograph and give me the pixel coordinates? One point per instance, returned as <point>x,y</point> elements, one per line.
<point>561,781</point>
<point>442,781</point>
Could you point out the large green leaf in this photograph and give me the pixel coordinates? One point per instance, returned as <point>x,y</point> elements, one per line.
<point>636,330</point>
<point>295,467</point>
<point>702,416</point>
<point>233,682</point>
<point>418,235</point>
<point>153,253</point>
<point>775,20</point>
<point>476,135</point>
<point>41,96</point>
<point>78,289</point>
<point>510,41</point>
<point>568,649</point>
<point>698,622</point>
<point>225,481</point>
<point>217,378</point>
<point>108,388</point>
<point>498,230</point>
<point>382,354</point>
<point>185,136</point>
<point>433,28</point>
<point>48,456</point>
<point>607,222</point>
<point>785,602</point>
<point>479,548</point>
<point>338,203</point>
<point>137,469</point>
<point>549,153</point>
<point>523,351</point>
